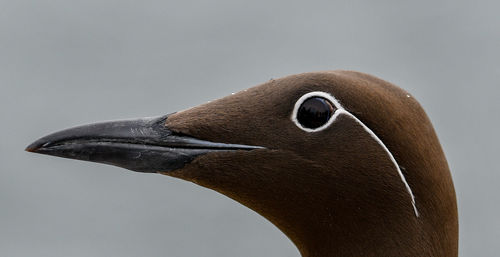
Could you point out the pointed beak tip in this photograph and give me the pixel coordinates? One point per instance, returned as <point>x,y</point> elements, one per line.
<point>34,147</point>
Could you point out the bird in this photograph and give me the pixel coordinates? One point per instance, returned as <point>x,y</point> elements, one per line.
<point>342,162</point>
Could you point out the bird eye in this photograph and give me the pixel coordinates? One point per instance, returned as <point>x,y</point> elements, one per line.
<point>315,112</point>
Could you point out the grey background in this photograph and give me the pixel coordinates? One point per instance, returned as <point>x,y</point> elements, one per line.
<point>64,63</point>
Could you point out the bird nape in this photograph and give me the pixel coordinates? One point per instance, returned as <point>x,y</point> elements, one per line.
<point>344,163</point>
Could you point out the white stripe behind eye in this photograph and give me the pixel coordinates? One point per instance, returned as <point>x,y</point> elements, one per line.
<point>340,110</point>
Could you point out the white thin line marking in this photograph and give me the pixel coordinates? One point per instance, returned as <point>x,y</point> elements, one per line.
<point>340,110</point>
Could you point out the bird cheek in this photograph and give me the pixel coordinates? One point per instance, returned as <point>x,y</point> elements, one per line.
<point>216,168</point>
<point>241,175</point>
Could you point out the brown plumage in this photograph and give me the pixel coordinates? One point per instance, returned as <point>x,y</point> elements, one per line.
<point>334,192</point>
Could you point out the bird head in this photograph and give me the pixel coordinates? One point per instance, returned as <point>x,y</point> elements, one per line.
<point>342,162</point>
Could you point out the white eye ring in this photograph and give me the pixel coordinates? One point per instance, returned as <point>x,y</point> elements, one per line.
<point>340,110</point>
<point>330,98</point>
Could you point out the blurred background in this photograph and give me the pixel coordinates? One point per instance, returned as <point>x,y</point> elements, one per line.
<point>65,63</point>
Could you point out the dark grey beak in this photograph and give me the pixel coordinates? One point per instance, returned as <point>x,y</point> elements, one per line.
<point>143,145</point>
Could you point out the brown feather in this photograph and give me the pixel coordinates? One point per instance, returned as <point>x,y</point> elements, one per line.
<point>333,192</point>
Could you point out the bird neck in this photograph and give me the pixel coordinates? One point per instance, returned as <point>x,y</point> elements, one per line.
<point>355,236</point>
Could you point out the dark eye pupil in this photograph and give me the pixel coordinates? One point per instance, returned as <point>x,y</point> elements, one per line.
<point>315,112</point>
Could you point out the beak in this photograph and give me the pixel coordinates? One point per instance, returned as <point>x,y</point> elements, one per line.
<point>143,145</point>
